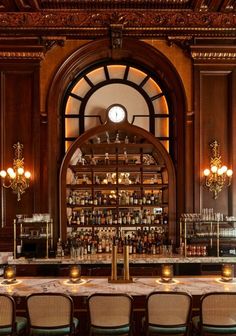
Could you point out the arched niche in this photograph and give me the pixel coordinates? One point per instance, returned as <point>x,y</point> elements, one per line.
<point>147,157</point>
<point>134,52</point>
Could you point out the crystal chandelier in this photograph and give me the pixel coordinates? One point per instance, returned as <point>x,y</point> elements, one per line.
<point>218,176</point>
<point>16,178</point>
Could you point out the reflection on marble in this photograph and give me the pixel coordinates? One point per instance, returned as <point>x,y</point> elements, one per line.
<point>134,259</point>
<point>140,286</point>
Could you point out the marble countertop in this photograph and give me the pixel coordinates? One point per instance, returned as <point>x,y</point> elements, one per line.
<point>140,286</point>
<point>134,259</point>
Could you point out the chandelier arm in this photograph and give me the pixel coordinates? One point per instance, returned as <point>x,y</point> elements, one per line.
<point>216,178</point>
<point>16,178</point>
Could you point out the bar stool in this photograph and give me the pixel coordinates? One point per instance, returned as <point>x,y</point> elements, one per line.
<point>217,314</point>
<point>168,313</point>
<point>110,314</point>
<point>10,324</point>
<point>51,314</point>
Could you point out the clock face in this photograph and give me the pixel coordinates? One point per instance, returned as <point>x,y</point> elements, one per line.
<point>116,113</point>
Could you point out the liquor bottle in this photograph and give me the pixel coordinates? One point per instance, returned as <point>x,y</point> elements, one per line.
<point>117,140</point>
<point>70,199</point>
<point>165,218</point>
<point>157,199</point>
<point>137,179</point>
<point>108,138</point>
<point>125,157</point>
<point>97,180</point>
<point>59,252</point>
<point>107,160</point>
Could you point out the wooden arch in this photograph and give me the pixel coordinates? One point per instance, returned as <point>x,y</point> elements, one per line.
<point>134,52</point>
<point>129,129</point>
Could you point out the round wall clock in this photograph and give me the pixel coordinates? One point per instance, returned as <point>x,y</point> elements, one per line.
<point>116,113</point>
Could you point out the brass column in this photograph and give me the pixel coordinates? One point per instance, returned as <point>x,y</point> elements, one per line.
<point>114,263</point>
<point>126,262</point>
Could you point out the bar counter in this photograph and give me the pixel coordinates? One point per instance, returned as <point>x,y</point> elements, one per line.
<point>133,259</point>
<point>140,287</point>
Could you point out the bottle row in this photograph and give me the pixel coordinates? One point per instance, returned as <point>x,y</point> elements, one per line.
<point>123,178</point>
<point>111,217</point>
<point>212,233</point>
<point>116,158</point>
<point>84,242</point>
<point>112,198</point>
<point>198,250</point>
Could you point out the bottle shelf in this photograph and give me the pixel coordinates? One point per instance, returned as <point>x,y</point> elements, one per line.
<point>119,182</point>
<point>211,233</point>
<point>28,232</point>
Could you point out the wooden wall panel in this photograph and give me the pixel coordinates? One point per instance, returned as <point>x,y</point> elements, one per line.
<point>213,122</point>
<point>19,122</point>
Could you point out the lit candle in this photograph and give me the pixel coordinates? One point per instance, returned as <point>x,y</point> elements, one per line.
<point>166,273</point>
<point>74,273</point>
<point>9,273</point>
<point>227,272</point>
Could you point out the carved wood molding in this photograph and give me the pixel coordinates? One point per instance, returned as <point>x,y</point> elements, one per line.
<point>33,48</point>
<point>220,54</point>
<point>21,55</point>
<point>139,23</point>
<point>195,5</point>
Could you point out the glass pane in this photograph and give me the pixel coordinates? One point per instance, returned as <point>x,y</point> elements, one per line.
<point>81,88</point>
<point>160,106</point>
<point>122,94</point>
<point>72,106</point>
<point>166,144</point>
<point>151,88</point>
<point>136,76</point>
<point>96,76</point>
<point>142,122</point>
<point>67,145</point>
<point>116,71</point>
<point>161,127</point>
<point>71,128</point>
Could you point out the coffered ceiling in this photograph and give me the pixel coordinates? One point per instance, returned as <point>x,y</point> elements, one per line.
<point>135,18</point>
<point>183,5</point>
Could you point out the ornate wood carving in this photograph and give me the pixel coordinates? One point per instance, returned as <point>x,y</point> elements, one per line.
<point>28,48</point>
<point>139,23</point>
<point>49,42</point>
<point>214,54</point>
<point>195,5</point>
<point>116,36</point>
<point>21,55</point>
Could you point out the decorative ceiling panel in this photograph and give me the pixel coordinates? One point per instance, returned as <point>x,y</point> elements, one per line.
<point>172,5</point>
<point>86,19</point>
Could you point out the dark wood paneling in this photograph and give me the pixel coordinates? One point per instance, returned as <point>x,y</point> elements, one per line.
<point>214,111</point>
<point>20,122</point>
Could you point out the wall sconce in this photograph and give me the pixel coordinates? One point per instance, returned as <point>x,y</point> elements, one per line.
<point>16,178</point>
<point>218,176</point>
<point>75,272</point>
<point>166,273</point>
<point>227,272</point>
<point>9,274</point>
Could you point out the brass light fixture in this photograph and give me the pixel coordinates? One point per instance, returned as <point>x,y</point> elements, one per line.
<point>218,175</point>
<point>16,178</point>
